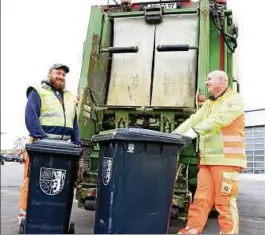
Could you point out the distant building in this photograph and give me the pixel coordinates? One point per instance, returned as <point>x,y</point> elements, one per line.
<point>255,141</point>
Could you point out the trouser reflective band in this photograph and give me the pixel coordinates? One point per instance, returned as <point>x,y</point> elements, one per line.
<point>216,185</point>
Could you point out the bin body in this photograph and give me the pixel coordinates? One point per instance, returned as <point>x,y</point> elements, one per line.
<point>52,173</point>
<point>137,169</point>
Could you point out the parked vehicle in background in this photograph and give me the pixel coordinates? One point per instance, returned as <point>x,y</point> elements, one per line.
<point>2,159</point>
<point>13,158</point>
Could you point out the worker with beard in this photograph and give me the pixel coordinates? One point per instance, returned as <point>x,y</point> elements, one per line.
<point>50,113</point>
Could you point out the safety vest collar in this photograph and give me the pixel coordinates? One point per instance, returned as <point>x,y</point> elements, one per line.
<point>220,96</point>
<point>47,85</point>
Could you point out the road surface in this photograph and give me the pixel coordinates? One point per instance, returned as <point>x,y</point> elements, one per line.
<point>251,205</point>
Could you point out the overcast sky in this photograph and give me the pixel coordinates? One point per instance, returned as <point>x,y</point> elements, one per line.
<point>35,34</point>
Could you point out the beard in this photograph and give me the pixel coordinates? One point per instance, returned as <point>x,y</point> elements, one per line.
<point>60,86</point>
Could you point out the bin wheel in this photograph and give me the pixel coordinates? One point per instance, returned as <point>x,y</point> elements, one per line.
<point>22,226</point>
<point>71,228</point>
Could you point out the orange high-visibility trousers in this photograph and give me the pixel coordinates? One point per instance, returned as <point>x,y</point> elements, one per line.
<point>217,185</point>
<point>25,184</point>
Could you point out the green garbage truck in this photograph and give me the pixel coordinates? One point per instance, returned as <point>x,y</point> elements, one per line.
<point>144,65</point>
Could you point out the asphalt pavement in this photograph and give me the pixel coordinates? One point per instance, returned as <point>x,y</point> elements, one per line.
<point>251,205</point>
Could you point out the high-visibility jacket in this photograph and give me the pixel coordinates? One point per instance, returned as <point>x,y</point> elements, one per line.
<point>220,126</point>
<point>56,117</point>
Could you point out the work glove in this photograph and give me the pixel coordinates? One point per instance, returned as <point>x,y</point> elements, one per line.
<point>77,143</point>
<point>191,134</point>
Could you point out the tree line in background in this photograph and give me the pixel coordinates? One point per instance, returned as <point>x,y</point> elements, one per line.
<point>18,147</point>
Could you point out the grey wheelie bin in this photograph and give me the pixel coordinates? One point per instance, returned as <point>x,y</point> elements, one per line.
<point>52,173</point>
<point>137,169</point>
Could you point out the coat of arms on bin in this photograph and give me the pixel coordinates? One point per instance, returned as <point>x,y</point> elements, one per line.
<point>106,170</point>
<point>52,180</point>
<point>130,148</point>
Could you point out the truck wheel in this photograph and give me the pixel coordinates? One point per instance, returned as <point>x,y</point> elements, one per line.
<point>90,204</point>
<point>174,212</point>
<point>71,228</point>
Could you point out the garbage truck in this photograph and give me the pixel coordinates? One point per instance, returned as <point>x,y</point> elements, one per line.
<point>145,65</point>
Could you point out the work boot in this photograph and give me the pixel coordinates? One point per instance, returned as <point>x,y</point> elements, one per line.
<point>21,215</point>
<point>188,230</point>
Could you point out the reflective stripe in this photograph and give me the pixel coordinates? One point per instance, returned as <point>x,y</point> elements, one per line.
<point>233,138</point>
<point>230,223</point>
<point>234,215</point>
<point>191,230</point>
<point>54,114</point>
<point>234,150</point>
<point>58,137</point>
<point>227,175</point>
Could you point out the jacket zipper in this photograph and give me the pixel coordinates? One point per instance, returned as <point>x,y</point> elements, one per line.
<point>204,144</point>
<point>64,117</point>
<point>62,103</point>
<point>63,113</point>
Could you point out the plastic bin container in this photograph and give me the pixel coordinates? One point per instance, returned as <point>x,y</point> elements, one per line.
<point>52,173</point>
<point>137,169</point>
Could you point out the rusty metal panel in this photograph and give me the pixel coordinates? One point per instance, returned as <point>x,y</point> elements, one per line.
<point>130,78</point>
<point>175,72</point>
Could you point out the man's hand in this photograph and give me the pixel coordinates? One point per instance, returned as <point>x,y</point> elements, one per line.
<point>77,143</point>
<point>191,133</point>
<point>38,138</point>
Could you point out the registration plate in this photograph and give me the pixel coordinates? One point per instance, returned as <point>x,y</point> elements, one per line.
<point>172,5</point>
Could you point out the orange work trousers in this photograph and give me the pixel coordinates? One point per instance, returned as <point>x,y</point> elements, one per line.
<point>25,184</point>
<point>217,185</point>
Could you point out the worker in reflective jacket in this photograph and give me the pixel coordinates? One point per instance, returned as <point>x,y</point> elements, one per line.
<point>50,113</point>
<point>219,126</point>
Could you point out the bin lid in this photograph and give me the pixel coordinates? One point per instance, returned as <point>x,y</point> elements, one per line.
<point>138,134</point>
<point>55,146</point>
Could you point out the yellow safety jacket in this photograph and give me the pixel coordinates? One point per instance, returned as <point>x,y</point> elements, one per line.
<point>220,126</point>
<point>56,117</point>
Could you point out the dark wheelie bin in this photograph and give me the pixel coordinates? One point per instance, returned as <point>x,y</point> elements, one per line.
<point>52,173</point>
<point>137,169</point>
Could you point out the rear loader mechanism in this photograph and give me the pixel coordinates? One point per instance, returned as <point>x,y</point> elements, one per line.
<point>145,65</point>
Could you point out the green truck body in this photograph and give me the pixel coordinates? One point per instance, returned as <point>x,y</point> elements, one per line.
<point>145,65</point>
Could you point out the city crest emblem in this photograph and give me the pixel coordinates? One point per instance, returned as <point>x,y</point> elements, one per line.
<point>52,180</point>
<point>106,170</point>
